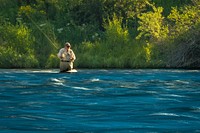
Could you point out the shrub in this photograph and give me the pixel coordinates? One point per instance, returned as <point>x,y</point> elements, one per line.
<point>52,62</point>
<point>183,19</point>
<point>151,24</point>
<point>115,34</point>
<point>16,47</point>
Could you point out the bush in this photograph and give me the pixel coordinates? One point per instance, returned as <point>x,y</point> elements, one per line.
<point>52,62</point>
<point>16,47</point>
<point>10,58</point>
<point>185,50</point>
<point>151,25</point>
<point>115,34</point>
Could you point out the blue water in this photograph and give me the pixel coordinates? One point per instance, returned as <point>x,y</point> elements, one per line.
<point>100,101</point>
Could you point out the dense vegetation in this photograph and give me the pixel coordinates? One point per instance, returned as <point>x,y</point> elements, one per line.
<point>103,33</point>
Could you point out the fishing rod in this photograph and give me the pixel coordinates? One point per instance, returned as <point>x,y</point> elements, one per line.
<point>42,31</point>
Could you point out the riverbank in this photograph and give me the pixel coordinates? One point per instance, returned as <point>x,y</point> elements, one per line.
<point>158,36</point>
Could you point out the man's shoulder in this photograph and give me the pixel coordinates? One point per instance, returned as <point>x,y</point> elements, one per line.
<point>62,49</point>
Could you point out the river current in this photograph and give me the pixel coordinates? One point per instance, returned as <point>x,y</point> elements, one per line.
<point>149,100</point>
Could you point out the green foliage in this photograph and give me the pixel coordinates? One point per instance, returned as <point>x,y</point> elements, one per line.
<point>115,34</point>
<point>34,13</point>
<point>18,37</point>
<point>134,54</point>
<point>44,34</point>
<point>184,19</point>
<point>108,52</point>
<point>185,49</point>
<point>151,24</point>
<point>76,34</point>
<point>182,46</point>
<point>126,9</point>
<point>87,12</point>
<point>8,10</point>
<point>16,46</point>
<point>102,32</point>
<point>168,4</point>
<point>52,62</point>
<point>10,58</point>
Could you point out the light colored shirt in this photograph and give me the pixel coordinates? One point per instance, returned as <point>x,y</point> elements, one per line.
<point>65,55</point>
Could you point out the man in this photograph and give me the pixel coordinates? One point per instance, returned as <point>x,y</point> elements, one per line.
<point>67,58</point>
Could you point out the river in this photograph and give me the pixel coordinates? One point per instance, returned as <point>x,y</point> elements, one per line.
<point>139,100</point>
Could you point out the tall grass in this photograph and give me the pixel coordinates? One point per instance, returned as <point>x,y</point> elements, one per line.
<point>116,50</point>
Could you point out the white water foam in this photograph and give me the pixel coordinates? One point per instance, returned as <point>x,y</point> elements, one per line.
<point>95,80</point>
<point>44,71</point>
<point>165,114</point>
<point>57,80</point>
<point>173,95</point>
<point>196,109</point>
<point>59,84</point>
<point>169,99</point>
<point>81,88</point>
<point>182,82</point>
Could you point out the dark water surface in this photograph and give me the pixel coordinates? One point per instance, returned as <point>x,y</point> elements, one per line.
<point>100,101</point>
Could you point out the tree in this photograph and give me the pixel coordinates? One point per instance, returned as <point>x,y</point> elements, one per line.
<point>184,18</point>
<point>151,24</point>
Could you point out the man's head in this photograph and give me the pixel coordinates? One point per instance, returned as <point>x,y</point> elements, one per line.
<point>67,45</point>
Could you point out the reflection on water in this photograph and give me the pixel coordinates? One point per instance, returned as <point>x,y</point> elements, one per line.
<point>100,101</point>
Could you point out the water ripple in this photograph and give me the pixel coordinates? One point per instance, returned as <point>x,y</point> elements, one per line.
<point>100,101</point>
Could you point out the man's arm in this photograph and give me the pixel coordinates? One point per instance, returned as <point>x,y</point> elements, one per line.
<point>60,53</point>
<point>73,56</point>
